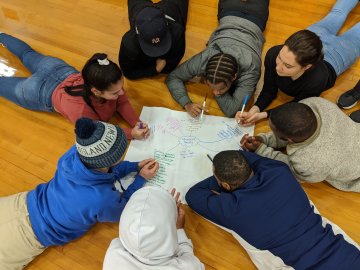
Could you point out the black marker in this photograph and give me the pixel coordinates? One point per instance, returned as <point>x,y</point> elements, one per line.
<point>209,157</point>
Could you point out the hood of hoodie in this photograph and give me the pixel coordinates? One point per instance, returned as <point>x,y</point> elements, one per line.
<point>53,215</point>
<point>148,225</point>
<point>75,171</point>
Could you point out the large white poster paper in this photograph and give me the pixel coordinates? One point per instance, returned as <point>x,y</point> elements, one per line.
<point>181,143</point>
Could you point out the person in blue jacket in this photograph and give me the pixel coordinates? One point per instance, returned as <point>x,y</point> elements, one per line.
<point>81,193</point>
<point>262,204</point>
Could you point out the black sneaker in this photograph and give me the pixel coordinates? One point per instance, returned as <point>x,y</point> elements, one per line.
<point>355,116</point>
<point>349,99</point>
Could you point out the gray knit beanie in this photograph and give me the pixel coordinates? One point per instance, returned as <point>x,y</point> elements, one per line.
<point>99,144</point>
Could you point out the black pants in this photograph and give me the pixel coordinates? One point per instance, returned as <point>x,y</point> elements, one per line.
<point>256,11</point>
<point>176,9</point>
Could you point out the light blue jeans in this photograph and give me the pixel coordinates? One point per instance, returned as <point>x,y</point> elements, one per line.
<point>343,50</point>
<point>34,92</point>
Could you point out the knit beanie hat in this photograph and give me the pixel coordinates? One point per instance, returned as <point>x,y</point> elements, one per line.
<point>99,144</point>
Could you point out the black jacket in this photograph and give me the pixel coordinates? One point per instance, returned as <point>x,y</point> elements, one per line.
<point>135,64</point>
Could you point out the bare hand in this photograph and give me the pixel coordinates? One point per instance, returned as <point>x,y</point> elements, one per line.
<point>254,118</point>
<point>251,117</point>
<point>160,64</point>
<point>140,133</point>
<point>180,222</point>
<point>149,169</point>
<point>176,196</point>
<point>250,143</point>
<point>193,109</point>
<point>142,163</point>
<point>242,116</point>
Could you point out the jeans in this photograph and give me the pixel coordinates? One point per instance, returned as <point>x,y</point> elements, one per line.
<point>34,92</point>
<point>343,50</point>
<point>256,11</point>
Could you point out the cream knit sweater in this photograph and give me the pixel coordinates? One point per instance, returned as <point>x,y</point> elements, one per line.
<point>332,153</point>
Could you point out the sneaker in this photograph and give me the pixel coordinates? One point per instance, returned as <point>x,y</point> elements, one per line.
<point>355,116</point>
<point>349,99</point>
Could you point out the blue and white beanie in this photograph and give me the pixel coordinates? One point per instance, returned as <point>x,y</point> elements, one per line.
<point>99,144</point>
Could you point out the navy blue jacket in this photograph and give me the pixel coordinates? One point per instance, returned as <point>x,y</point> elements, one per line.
<point>272,212</point>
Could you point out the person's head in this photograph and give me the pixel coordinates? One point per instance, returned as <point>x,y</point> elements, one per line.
<point>294,122</point>
<point>301,51</point>
<point>100,145</point>
<point>148,225</point>
<point>102,77</point>
<point>221,71</point>
<point>152,31</point>
<point>231,169</point>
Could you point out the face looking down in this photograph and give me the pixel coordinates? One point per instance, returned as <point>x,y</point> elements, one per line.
<point>112,93</point>
<point>287,66</point>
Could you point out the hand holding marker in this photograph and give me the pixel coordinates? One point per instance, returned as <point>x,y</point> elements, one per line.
<point>203,107</point>
<point>148,168</point>
<point>145,128</point>
<point>243,107</point>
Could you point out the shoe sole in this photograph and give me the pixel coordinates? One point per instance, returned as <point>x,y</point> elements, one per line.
<point>348,107</point>
<point>353,119</point>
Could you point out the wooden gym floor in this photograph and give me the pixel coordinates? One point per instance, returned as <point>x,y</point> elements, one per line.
<point>32,142</point>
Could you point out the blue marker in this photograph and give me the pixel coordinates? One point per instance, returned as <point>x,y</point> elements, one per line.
<point>141,125</point>
<point>243,106</point>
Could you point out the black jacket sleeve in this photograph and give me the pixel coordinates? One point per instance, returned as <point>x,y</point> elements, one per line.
<point>270,88</point>
<point>131,58</point>
<point>177,50</point>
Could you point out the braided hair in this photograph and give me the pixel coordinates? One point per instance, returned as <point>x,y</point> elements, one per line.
<point>98,72</point>
<point>221,67</point>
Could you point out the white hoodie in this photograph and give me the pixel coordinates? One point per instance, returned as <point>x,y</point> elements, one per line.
<point>149,239</point>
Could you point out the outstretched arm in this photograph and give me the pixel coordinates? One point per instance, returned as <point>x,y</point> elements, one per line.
<point>183,73</point>
<point>186,252</point>
<point>126,111</point>
<point>115,202</point>
<point>124,168</point>
<point>270,88</point>
<point>205,199</point>
<point>244,86</point>
<point>269,139</point>
<point>269,152</point>
<point>177,50</point>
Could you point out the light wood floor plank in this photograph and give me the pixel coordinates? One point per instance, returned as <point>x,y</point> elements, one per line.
<point>32,142</point>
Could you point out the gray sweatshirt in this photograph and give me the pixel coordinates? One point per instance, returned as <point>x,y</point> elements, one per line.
<point>332,153</point>
<point>235,36</point>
